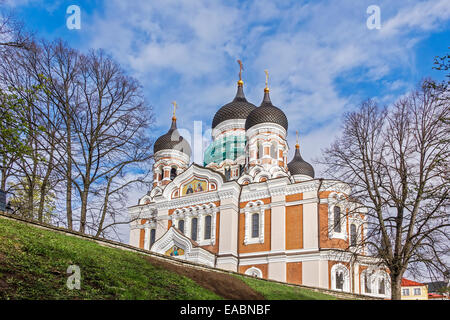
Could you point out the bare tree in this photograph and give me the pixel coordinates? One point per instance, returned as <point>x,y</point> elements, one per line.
<point>41,170</point>
<point>13,41</point>
<point>395,161</point>
<point>88,130</point>
<point>111,127</point>
<point>56,67</point>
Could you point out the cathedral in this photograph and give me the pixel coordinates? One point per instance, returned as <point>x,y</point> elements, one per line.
<point>250,210</point>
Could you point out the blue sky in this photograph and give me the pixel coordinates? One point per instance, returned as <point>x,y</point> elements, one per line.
<point>321,56</point>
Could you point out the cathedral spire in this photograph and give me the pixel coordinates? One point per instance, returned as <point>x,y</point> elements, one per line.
<point>297,146</point>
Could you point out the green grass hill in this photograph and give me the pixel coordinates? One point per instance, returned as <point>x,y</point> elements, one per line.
<point>34,263</point>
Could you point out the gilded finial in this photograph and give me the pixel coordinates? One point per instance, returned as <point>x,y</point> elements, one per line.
<point>174,110</point>
<point>266,89</point>
<point>296,139</point>
<point>241,67</point>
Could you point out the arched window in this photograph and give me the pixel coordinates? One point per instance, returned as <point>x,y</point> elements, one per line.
<point>353,235</point>
<point>173,173</point>
<point>340,278</point>
<point>194,229</point>
<point>152,237</point>
<point>273,150</point>
<point>181,226</point>
<point>260,150</point>
<point>255,225</point>
<point>337,219</point>
<point>207,227</point>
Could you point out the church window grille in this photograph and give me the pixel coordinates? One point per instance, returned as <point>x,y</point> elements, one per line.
<point>339,280</point>
<point>207,227</point>
<point>337,219</point>
<point>382,287</point>
<point>152,237</point>
<point>181,226</point>
<point>353,235</point>
<point>273,150</point>
<point>260,151</point>
<point>194,229</point>
<point>367,288</point>
<point>173,173</point>
<point>255,225</point>
<point>227,173</point>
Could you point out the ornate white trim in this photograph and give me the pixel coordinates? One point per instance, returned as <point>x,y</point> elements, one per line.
<point>199,212</point>
<point>249,210</point>
<point>255,272</point>
<point>227,128</point>
<point>174,238</point>
<point>374,275</point>
<point>337,199</point>
<point>339,267</point>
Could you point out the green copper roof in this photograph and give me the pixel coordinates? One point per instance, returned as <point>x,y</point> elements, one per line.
<point>224,148</point>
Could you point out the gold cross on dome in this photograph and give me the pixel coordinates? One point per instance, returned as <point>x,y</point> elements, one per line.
<point>267,77</point>
<point>174,107</point>
<point>241,67</point>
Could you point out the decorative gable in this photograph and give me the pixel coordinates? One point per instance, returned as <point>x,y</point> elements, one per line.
<point>174,243</point>
<point>194,180</point>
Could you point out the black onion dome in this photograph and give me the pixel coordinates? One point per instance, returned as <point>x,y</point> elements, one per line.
<point>172,140</point>
<point>300,166</point>
<point>266,112</point>
<point>239,108</point>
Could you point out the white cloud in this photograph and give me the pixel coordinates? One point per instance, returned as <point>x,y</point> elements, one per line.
<point>187,51</point>
<point>425,15</point>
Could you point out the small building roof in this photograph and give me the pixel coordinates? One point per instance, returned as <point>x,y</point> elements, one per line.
<point>411,283</point>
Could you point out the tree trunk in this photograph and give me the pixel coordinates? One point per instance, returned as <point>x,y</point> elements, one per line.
<point>30,199</point>
<point>396,286</point>
<point>84,198</point>
<point>69,173</point>
<point>44,184</point>
<point>3,179</point>
<point>105,209</point>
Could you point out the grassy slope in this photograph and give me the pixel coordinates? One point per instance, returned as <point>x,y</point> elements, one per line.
<point>273,291</point>
<point>33,264</point>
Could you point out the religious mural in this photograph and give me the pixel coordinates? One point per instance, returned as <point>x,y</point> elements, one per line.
<point>174,251</point>
<point>194,186</point>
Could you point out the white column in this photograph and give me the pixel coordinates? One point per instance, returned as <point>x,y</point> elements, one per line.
<point>277,264</point>
<point>147,238</point>
<point>228,235</point>
<point>200,226</point>
<point>310,227</point>
<point>278,223</point>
